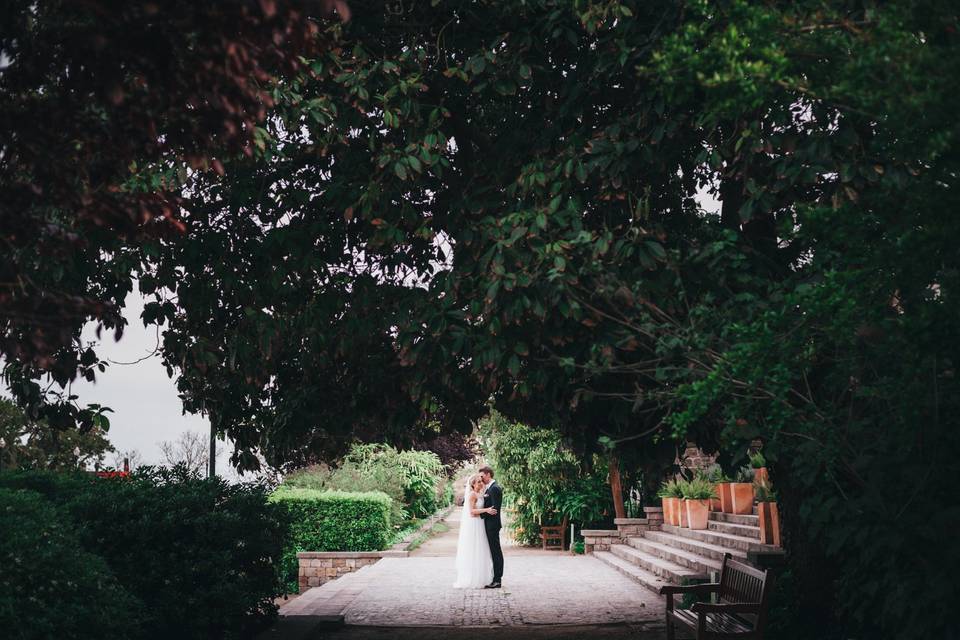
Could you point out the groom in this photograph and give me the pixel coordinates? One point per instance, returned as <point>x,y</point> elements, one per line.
<point>493,497</point>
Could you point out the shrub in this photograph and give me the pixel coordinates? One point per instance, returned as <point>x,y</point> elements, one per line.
<point>50,587</point>
<point>331,521</point>
<point>201,555</point>
<point>422,472</point>
<point>350,477</point>
<point>415,480</point>
<point>542,479</point>
<point>698,489</point>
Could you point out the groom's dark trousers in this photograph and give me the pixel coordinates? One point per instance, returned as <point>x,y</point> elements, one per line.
<point>494,498</point>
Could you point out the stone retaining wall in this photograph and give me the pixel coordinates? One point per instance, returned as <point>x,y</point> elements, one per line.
<point>318,567</point>
<point>599,539</point>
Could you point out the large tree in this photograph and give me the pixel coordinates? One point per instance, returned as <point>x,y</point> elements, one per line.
<point>104,106</point>
<point>475,200</point>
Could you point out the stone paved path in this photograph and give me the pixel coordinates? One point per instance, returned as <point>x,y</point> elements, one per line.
<point>540,588</point>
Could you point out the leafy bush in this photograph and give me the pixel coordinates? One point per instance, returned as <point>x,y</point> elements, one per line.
<point>423,473</point>
<point>50,587</point>
<point>670,489</point>
<point>698,489</point>
<point>350,477</point>
<point>415,480</point>
<point>200,554</point>
<point>331,521</point>
<point>542,479</point>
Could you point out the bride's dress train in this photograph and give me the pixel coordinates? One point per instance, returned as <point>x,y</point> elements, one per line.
<point>474,563</point>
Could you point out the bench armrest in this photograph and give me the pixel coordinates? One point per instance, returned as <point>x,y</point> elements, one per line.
<point>706,587</point>
<point>725,607</point>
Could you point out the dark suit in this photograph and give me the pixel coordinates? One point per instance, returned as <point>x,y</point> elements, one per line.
<point>493,497</point>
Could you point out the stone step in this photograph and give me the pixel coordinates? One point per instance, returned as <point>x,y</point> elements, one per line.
<point>744,530</point>
<point>687,559</point>
<point>649,580</point>
<point>727,540</point>
<point>666,569</point>
<point>732,518</point>
<point>700,548</point>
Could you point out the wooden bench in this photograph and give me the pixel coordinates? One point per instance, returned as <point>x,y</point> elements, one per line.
<point>554,536</point>
<point>740,610</point>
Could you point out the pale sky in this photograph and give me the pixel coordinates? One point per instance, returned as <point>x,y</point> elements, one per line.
<point>146,406</point>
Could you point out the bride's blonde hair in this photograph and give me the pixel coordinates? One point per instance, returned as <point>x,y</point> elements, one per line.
<point>473,480</point>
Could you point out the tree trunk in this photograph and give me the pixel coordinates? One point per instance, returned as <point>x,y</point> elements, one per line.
<point>615,488</point>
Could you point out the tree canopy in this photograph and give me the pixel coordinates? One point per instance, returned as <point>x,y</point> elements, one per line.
<point>456,202</point>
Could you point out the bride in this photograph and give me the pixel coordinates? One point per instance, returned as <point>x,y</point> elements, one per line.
<point>474,564</point>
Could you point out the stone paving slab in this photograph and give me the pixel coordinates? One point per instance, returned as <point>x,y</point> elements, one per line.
<point>542,590</point>
<point>538,590</point>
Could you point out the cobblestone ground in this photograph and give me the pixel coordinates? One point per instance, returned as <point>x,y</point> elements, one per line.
<point>540,588</point>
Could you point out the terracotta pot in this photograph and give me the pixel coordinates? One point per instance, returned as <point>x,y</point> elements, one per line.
<point>726,497</point>
<point>676,505</point>
<point>667,504</point>
<point>715,504</point>
<point>742,497</point>
<point>698,513</point>
<point>769,523</point>
<point>684,522</point>
<point>760,476</point>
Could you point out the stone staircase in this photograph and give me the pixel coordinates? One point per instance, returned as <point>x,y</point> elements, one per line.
<point>676,555</point>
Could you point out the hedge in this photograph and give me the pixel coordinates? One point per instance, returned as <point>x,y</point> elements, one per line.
<point>202,556</point>
<point>50,587</point>
<point>331,521</point>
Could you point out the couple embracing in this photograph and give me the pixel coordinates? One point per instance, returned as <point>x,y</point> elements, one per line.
<point>479,558</point>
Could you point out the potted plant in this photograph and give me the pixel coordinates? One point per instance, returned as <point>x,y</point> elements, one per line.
<point>578,546</point>
<point>681,504</point>
<point>666,501</point>
<point>742,492</point>
<point>671,495</point>
<point>759,464</point>
<point>769,514</point>
<point>719,479</point>
<point>697,494</point>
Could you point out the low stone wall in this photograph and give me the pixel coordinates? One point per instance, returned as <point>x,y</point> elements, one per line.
<point>654,515</point>
<point>318,567</point>
<point>599,539</point>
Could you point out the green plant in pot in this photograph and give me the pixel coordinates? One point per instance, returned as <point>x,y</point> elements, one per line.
<point>769,514</point>
<point>670,495</point>
<point>759,465</point>
<point>715,475</point>
<point>697,494</point>
<point>742,492</point>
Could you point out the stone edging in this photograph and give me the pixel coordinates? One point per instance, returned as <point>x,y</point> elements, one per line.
<point>407,542</point>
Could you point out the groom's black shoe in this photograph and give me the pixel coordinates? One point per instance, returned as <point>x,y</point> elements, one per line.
<point>493,585</point>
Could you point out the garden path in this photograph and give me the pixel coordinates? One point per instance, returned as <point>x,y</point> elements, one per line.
<point>540,588</point>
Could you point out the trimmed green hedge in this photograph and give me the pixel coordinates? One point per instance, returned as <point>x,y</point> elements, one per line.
<point>331,521</point>
<point>50,587</point>
<point>189,558</point>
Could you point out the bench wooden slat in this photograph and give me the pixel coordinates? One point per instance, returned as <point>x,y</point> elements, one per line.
<point>739,584</point>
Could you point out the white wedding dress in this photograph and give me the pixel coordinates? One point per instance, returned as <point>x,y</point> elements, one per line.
<point>474,563</point>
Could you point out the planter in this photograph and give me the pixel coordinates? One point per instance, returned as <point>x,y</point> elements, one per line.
<point>715,504</point>
<point>760,476</point>
<point>676,505</point>
<point>726,497</point>
<point>667,509</point>
<point>742,497</point>
<point>769,523</point>
<point>698,513</point>
<point>682,520</point>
